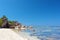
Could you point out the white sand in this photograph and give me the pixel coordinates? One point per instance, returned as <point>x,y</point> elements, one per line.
<point>8,34</point>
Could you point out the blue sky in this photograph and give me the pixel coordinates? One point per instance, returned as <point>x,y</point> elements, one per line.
<point>32,12</point>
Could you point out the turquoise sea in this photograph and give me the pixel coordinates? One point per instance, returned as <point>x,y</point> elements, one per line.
<point>46,32</point>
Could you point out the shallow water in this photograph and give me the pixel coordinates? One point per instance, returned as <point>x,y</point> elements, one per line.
<point>46,32</point>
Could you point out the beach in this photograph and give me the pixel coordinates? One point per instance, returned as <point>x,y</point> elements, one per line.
<point>9,34</point>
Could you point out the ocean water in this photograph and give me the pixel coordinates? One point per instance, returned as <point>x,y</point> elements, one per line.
<point>46,32</point>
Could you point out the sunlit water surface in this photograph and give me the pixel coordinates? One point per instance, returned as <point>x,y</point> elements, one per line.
<point>46,32</point>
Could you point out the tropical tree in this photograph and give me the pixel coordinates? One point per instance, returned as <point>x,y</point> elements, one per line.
<point>4,17</point>
<point>1,22</point>
<point>11,22</point>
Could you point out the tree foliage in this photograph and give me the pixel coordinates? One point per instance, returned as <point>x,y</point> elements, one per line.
<point>1,22</point>
<point>4,16</point>
<point>11,22</point>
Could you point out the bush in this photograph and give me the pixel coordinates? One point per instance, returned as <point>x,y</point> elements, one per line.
<point>1,22</point>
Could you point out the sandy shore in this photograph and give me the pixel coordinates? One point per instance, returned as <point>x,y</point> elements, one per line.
<point>8,34</point>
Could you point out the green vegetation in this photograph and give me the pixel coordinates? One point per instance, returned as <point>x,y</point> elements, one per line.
<point>9,21</point>
<point>1,22</point>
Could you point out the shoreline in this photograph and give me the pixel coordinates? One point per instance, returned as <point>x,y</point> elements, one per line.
<point>25,34</point>
<point>9,34</point>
